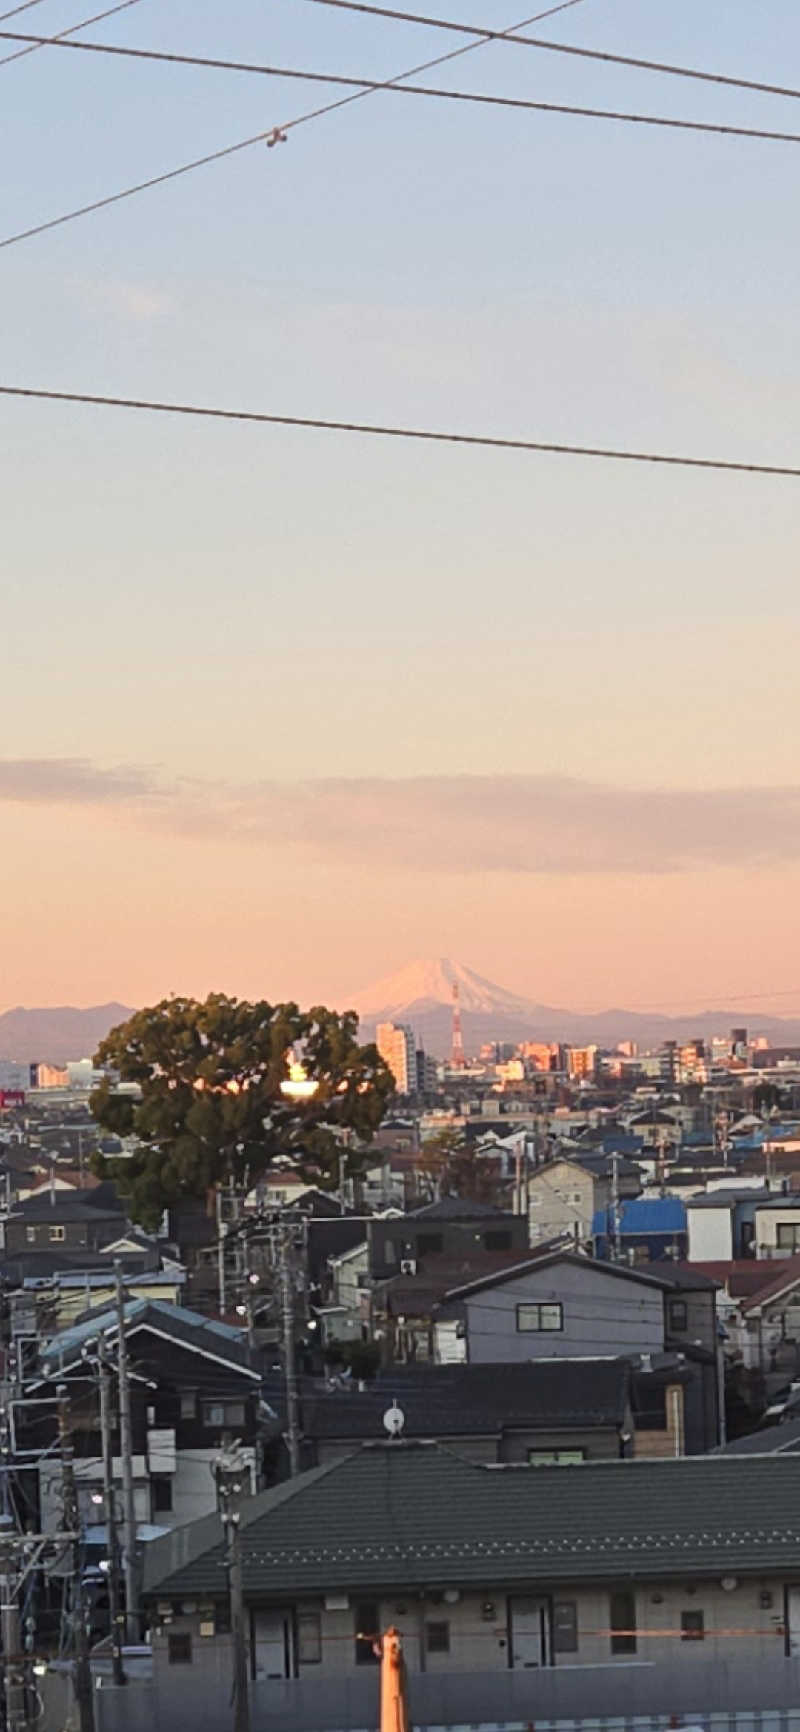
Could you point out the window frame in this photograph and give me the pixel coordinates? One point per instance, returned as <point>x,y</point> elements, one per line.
<point>440,1644</point>
<point>556,1457</point>
<point>159,1484</point>
<point>792,1228</point>
<point>693,1625</point>
<point>179,1647</point>
<point>539,1306</point>
<point>680,1308</point>
<point>57,1234</point>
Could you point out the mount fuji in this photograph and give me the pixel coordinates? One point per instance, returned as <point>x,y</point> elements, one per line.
<point>422,994</point>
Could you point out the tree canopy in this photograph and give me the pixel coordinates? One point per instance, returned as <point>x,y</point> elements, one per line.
<point>452,1167</point>
<point>210,1106</point>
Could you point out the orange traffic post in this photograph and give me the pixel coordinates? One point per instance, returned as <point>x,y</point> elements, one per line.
<point>394,1691</point>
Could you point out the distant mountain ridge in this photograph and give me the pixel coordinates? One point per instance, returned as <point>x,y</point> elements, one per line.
<point>422,994</point>
<point>55,1034</point>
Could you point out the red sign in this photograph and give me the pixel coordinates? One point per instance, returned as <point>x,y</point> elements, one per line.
<point>12,1098</point>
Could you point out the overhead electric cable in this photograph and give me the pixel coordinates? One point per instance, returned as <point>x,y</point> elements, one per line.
<point>482,440</point>
<point>486,34</point>
<point>364,85</point>
<point>37,42</point>
<point>271,134</point>
<point>25,7</point>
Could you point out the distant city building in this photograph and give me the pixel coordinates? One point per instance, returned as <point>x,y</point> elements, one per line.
<point>14,1074</point>
<point>581,1062</point>
<point>427,1072</point>
<point>397,1048</point>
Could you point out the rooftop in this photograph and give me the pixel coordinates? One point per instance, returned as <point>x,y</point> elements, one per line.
<point>417,1516</point>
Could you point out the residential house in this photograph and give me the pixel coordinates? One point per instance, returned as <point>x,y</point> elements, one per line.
<point>641,1230</point>
<point>550,1411</point>
<point>563,1305</point>
<point>565,1194</point>
<point>193,1386</point>
<point>558,1592</point>
<point>75,1221</point>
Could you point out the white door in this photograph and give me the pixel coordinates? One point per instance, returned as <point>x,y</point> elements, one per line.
<point>529,1629</point>
<point>271,1645</point>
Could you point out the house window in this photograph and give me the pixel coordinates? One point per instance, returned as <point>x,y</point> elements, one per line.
<point>430,1242</point>
<point>389,1251</point>
<point>544,1318</point>
<point>56,1235</point>
<point>678,1315</point>
<point>693,1626</point>
<point>161,1492</point>
<point>366,1615</point>
<point>497,1240</point>
<point>622,1621</point>
<point>226,1413</point>
<point>555,1457</point>
<point>788,1235</point>
<point>179,1648</point>
<point>30,1235</point>
<point>565,1627</point>
<point>437,1637</point>
<point>309,1638</point>
<point>188,1403</point>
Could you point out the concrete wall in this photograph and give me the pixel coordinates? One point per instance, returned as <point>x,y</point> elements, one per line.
<point>740,1664</point>
<point>603,1315</point>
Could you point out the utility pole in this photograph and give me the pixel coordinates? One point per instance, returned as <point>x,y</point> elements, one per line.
<point>615,1233</point>
<point>221,1231</point>
<point>286,1274</point>
<point>114,1578</point>
<point>83,1672</point>
<point>126,1451</point>
<point>230,1490</point>
<point>13,1669</point>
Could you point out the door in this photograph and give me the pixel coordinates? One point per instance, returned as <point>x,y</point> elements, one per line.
<point>530,1644</point>
<point>270,1645</point>
<point>793,1598</point>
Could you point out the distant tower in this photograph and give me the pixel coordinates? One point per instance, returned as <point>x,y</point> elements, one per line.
<point>457,1059</point>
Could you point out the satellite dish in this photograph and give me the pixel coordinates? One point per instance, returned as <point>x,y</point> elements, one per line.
<point>394,1419</point>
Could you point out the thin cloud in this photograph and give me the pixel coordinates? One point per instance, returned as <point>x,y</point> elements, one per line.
<point>454,824</point>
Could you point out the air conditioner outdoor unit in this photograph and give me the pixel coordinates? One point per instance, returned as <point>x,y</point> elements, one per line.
<point>408,1266</point>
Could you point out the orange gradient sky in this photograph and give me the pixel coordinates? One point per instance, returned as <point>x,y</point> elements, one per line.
<point>281,710</point>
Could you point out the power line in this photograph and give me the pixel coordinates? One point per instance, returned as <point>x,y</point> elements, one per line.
<point>478,440</point>
<point>58,41</point>
<point>25,7</point>
<point>271,134</point>
<point>488,35</point>
<point>372,84</point>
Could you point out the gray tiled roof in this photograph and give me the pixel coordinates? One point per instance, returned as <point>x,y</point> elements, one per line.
<point>456,1400</point>
<point>416,1516</point>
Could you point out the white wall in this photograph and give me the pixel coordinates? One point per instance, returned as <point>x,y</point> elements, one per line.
<point>710,1234</point>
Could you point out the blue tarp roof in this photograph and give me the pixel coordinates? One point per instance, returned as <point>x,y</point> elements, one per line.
<point>644,1215</point>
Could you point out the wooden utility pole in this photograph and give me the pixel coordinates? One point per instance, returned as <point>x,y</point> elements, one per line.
<point>126,1451</point>
<point>84,1696</point>
<point>114,1571</point>
<point>394,1684</point>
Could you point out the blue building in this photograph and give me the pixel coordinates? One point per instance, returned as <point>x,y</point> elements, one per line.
<point>648,1229</point>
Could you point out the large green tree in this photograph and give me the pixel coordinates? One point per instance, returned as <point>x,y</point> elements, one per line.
<point>209,1105</point>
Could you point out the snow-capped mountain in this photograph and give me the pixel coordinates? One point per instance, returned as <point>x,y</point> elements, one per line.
<point>421,994</point>
<point>427,983</point>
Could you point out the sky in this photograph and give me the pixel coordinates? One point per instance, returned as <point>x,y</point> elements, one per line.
<point>283,709</point>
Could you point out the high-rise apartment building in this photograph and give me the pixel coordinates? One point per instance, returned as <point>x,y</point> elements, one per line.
<point>397,1048</point>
